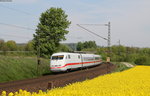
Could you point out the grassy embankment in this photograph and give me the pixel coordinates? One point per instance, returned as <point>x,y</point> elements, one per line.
<point>120,67</point>
<point>14,67</point>
<point>21,67</point>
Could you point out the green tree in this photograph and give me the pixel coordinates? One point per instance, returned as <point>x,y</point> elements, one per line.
<point>86,45</point>
<point>142,60</point>
<point>64,48</point>
<point>50,31</point>
<point>29,46</point>
<point>1,44</point>
<point>89,44</point>
<point>92,44</point>
<point>21,47</point>
<point>11,45</point>
<point>80,46</point>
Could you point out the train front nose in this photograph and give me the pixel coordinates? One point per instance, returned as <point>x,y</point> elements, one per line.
<point>57,66</point>
<point>57,63</point>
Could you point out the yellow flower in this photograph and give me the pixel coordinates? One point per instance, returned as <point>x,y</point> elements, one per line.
<point>132,82</point>
<point>10,94</point>
<point>4,93</point>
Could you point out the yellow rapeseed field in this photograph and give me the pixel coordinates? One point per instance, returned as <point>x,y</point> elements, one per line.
<point>132,82</point>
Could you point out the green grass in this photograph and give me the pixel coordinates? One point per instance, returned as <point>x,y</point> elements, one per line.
<point>17,53</point>
<point>21,67</point>
<point>120,67</point>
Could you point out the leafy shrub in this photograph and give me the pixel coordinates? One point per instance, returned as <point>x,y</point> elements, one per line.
<point>143,60</point>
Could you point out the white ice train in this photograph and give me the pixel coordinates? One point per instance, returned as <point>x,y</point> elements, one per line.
<point>68,61</point>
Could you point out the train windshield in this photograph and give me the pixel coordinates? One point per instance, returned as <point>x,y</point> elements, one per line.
<point>59,57</point>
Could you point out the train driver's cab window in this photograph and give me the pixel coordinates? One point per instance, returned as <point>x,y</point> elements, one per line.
<point>69,57</point>
<point>59,57</point>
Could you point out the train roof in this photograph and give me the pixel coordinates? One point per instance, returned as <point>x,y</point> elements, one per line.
<point>64,53</point>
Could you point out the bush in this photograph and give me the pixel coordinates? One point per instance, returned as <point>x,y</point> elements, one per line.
<point>143,60</point>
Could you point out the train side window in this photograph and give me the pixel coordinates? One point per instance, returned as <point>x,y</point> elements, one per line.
<point>68,56</point>
<point>78,56</point>
<point>97,58</point>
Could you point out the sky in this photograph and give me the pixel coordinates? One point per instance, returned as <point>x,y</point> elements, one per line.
<point>130,20</point>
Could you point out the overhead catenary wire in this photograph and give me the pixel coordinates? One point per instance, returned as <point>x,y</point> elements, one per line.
<point>91,32</point>
<point>108,39</point>
<point>95,24</point>
<point>17,10</point>
<point>16,26</point>
<point>16,36</point>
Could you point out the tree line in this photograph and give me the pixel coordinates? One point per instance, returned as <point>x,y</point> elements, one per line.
<point>13,46</point>
<point>86,45</point>
<point>120,53</point>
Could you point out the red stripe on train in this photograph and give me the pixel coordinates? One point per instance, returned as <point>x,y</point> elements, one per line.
<point>74,64</point>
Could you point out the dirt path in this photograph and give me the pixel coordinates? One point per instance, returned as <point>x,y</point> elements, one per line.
<point>56,80</point>
<point>127,64</point>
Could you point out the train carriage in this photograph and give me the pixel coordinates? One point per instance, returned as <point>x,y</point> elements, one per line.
<point>67,61</point>
<point>88,60</point>
<point>97,59</point>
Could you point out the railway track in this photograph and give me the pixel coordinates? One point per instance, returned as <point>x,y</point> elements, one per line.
<point>56,80</point>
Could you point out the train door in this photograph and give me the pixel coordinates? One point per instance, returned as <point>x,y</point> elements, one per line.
<point>69,60</point>
<point>81,60</point>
